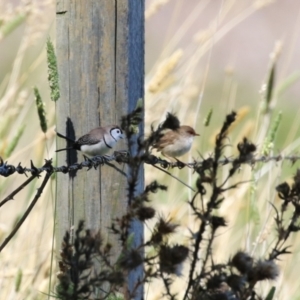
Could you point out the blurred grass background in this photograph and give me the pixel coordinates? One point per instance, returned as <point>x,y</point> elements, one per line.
<point>200,55</point>
<point>25,263</point>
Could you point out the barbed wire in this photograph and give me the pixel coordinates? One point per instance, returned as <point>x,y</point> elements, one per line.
<point>123,157</point>
<point>8,169</point>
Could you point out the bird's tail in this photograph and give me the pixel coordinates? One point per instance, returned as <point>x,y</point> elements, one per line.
<point>65,137</point>
<point>64,149</point>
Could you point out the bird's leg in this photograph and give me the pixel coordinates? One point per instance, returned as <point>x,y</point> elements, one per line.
<point>181,164</point>
<point>86,158</point>
<point>166,163</point>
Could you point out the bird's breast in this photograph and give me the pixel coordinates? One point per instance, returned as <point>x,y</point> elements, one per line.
<point>179,147</point>
<point>95,149</point>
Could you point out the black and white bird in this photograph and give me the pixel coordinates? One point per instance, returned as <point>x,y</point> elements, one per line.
<point>97,142</point>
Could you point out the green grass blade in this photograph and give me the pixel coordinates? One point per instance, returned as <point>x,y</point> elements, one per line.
<point>41,110</point>
<point>11,147</point>
<point>52,71</point>
<point>207,119</point>
<point>271,293</point>
<point>10,26</point>
<point>269,142</point>
<point>270,85</point>
<point>18,280</point>
<point>287,83</point>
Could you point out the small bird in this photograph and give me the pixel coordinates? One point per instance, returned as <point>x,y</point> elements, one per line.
<point>174,143</point>
<point>97,142</point>
<point>174,140</point>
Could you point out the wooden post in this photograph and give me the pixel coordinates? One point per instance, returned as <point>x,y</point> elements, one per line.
<point>100,53</point>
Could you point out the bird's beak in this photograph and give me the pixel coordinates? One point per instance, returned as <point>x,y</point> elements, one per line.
<point>196,134</point>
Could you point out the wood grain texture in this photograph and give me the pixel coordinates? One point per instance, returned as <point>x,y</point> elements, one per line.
<point>100,52</point>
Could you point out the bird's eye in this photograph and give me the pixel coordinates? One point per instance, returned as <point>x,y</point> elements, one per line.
<point>118,131</point>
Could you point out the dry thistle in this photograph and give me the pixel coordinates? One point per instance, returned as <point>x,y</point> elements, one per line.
<point>171,258</point>
<point>242,261</point>
<point>145,213</point>
<point>162,229</point>
<point>263,270</point>
<point>130,259</point>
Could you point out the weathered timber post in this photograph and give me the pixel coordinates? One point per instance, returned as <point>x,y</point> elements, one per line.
<point>100,53</point>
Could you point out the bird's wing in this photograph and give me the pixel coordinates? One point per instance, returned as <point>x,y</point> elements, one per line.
<point>167,139</point>
<point>87,140</point>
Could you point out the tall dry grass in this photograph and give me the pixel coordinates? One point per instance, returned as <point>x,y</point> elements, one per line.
<point>182,80</point>
<point>26,261</point>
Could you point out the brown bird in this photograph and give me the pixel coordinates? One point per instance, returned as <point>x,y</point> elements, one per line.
<point>174,140</point>
<point>177,142</point>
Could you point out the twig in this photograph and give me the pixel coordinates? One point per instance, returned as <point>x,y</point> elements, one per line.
<point>216,191</point>
<point>11,195</point>
<point>32,204</point>
<point>167,282</point>
<point>173,177</point>
<point>116,168</point>
<point>198,241</point>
